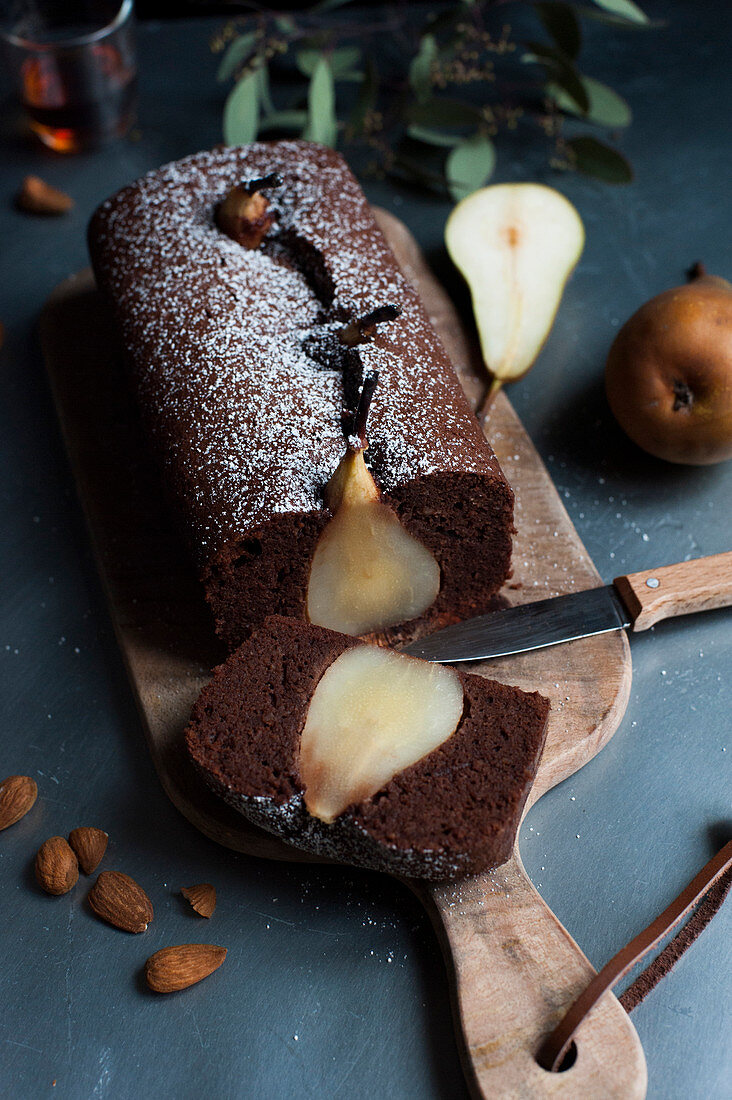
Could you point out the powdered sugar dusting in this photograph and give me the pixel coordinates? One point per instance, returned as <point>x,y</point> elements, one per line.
<point>246,419</point>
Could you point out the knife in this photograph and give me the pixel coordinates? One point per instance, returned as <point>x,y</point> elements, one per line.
<point>635,601</point>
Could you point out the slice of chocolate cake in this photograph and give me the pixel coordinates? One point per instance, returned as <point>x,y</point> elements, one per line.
<point>366,755</point>
<point>254,293</point>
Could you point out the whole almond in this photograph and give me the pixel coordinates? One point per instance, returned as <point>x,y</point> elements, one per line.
<point>38,197</point>
<point>57,870</point>
<point>90,844</point>
<point>202,898</point>
<point>117,898</point>
<point>175,968</point>
<point>17,795</point>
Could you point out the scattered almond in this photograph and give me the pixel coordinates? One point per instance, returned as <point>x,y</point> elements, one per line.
<point>38,197</point>
<point>57,870</point>
<point>117,898</point>
<point>90,844</point>
<point>175,968</point>
<point>17,795</point>
<point>202,898</point>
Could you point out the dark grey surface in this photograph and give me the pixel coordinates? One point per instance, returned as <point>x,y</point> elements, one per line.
<point>333,986</point>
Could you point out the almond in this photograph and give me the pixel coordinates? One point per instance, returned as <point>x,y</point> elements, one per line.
<point>202,898</point>
<point>90,844</point>
<point>117,898</point>
<point>17,795</point>
<point>175,968</point>
<point>57,870</point>
<point>38,197</point>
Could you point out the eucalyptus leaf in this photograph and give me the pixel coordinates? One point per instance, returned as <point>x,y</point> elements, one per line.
<point>444,112</point>
<point>284,120</point>
<point>624,8</point>
<point>265,97</point>
<point>329,5</point>
<point>433,137</point>
<point>561,71</point>
<point>469,165</point>
<point>607,19</point>
<point>321,125</point>
<point>562,24</point>
<point>420,70</point>
<point>342,61</point>
<point>237,52</point>
<point>241,111</point>
<point>594,158</point>
<point>606,107</point>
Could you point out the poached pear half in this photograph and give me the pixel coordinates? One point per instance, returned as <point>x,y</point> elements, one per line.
<point>516,245</point>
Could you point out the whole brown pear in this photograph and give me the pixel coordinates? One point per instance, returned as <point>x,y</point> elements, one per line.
<point>669,373</point>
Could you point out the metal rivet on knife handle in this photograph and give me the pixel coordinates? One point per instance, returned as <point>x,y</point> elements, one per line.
<point>698,585</point>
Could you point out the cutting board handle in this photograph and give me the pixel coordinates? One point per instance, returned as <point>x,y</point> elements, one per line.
<point>505,947</point>
<point>698,585</point>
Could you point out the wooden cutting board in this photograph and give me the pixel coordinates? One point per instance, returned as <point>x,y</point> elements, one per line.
<point>513,968</point>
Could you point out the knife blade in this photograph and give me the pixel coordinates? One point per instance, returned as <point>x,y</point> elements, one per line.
<point>638,600</point>
<point>529,626</point>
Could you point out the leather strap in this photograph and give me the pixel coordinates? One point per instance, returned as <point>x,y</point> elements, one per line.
<point>554,1048</point>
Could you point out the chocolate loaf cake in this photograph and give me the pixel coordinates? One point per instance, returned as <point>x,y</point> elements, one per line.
<point>242,376</point>
<point>452,811</point>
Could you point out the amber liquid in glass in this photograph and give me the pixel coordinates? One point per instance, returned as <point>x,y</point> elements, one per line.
<point>73,106</point>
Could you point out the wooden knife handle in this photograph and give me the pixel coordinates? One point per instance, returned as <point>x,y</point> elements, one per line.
<point>515,971</point>
<point>698,585</point>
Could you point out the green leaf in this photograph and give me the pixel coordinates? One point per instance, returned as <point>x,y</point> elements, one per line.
<point>238,51</point>
<point>607,19</point>
<point>241,111</point>
<point>433,137</point>
<point>624,8</point>
<point>321,125</point>
<point>342,61</point>
<point>606,107</point>
<point>420,70</point>
<point>560,70</point>
<point>329,5</point>
<point>284,120</point>
<point>264,94</point>
<point>444,112</point>
<point>594,158</point>
<point>469,165</point>
<point>562,24</point>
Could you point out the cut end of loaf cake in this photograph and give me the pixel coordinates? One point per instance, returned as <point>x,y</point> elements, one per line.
<point>242,381</point>
<point>452,811</point>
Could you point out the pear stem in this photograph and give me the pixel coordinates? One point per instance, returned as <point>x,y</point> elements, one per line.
<point>362,329</point>
<point>485,406</point>
<point>274,179</point>
<point>364,404</point>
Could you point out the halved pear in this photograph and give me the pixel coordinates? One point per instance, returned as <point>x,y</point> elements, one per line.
<point>516,245</point>
<point>373,713</point>
<point>367,571</point>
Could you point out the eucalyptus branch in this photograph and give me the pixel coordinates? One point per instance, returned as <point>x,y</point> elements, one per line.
<point>462,78</point>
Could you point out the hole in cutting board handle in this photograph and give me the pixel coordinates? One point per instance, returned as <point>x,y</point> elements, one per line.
<point>567,1062</point>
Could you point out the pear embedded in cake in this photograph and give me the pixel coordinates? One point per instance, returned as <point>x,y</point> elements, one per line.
<point>367,571</point>
<point>373,713</point>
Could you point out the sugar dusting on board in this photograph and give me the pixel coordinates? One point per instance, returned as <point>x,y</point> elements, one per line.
<point>242,413</point>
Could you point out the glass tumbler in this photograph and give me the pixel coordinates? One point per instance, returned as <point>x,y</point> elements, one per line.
<point>75,65</point>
